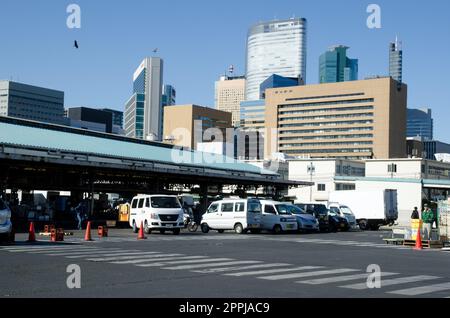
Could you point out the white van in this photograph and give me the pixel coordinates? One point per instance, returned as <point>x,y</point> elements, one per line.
<point>277,218</point>
<point>345,212</point>
<point>240,215</point>
<point>156,212</point>
<point>6,231</point>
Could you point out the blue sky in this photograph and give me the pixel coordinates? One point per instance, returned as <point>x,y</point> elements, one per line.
<point>199,39</point>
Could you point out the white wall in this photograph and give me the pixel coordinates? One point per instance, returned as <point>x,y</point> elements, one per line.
<point>405,168</point>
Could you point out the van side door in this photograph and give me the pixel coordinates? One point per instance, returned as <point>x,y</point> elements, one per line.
<point>227,216</point>
<point>269,216</point>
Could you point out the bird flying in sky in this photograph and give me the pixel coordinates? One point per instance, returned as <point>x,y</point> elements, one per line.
<point>75,44</point>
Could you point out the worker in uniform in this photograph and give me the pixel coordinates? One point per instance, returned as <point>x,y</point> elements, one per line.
<point>428,219</point>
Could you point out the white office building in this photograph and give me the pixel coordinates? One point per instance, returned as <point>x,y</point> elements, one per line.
<point>276,47</point>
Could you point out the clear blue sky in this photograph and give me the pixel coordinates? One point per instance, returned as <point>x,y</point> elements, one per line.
<point>198,39</point>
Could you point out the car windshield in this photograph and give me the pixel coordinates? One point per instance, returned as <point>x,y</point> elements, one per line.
<point>283,209</point>
<point>296,210</point>
<point>321,209</point>
<point>346,210</point>
<point>165,203</point>
<point>254,207</point>
<point>332,213</point>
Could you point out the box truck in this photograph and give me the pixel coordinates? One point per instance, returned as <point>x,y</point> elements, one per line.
<point>372,209</point>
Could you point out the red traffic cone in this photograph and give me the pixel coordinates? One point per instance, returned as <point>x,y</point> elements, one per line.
<point>141,235</point>
<point>419,246</point>
<point>31,233</point>
<point>87,236</point>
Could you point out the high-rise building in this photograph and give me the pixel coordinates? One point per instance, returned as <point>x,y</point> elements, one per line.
<point>229,93</point>
<point>145,123</point>
<point>276,47</point>
<point>396,60</point>
<point>184,125</point>
<point>275,81</point>
<point>169,95</point>
<point>32,102</point>
<point>117,116</point>
<point>335,66</point>
<point>420,123</point>
<point>353,120</point>
<point>90,119</point>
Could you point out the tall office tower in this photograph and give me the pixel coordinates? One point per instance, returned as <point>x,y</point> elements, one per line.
<point>229,93</point>
<point>335,66</point>
<point>169,96</point>
<point>32,102</point>
<point>143,111</point>
<point>420,123</point>
<point>277,47</point>
<point>396,60</point>
<point>117,116</point>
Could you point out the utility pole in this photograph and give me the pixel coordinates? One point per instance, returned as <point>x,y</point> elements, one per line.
<point>311,171</point>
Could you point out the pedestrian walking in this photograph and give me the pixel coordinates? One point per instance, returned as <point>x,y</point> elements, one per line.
<point>80,215</point>
<point>415,214</point>
<point>428,219</point>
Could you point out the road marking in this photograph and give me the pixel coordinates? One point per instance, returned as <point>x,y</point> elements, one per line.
<point>79,249</point>
<point>394,281</point>
<point>337,279</point>
<point>230,269</point>
<point>148,260</point>
<point>48,248</point>
<point>415,291</point>
<point>271,271</point>
<point>110,253</point>
<point>97,251</point>
<point>206,260</point>
<point>117,258</point>
<point>309,274</point>
<point>210,265</point>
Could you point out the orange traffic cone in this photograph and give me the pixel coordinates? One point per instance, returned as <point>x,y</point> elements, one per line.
<point>31,233</point>
<point>87,236</point>
<point>419,246</point>
<point>141,235</point>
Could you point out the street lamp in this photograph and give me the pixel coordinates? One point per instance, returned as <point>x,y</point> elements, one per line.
<point>311,171</point>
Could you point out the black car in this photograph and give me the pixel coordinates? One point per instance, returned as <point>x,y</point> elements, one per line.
<point>337,222</point>
<point>320,211</point>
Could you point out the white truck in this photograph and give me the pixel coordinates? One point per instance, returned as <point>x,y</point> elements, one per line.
<point>372,209</point>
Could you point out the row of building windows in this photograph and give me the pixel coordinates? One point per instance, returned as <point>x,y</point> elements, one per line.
<point>311,151</point>
<point>324,131</point>
<point>339,102</point>
<point>337,143</point>
<point>325,110</point>
<point>326,96</point>
<point>356,115</point>
<point>334,123</point>
<point>351,136</point>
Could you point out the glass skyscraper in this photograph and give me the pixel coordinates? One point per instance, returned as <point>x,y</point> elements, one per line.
<point>335,66</point>
<point>277,47</point>
<point>420,123</point>
<point>396,61</point>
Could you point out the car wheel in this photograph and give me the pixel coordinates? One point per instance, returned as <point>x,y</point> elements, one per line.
<point>205,228</point>
<point>162,231</point>
<point>176,232</point>
<point>238,228</point>
<point>146,228</point>
<point>221,231</point>
<point>135,228</point>
<point>277,229</point>
<point>363,225</point>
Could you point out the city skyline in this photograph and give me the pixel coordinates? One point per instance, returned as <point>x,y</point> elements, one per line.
<point>55,64</point>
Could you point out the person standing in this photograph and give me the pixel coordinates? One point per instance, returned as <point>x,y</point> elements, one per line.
<point>415,214</point>
<point>428,219</point>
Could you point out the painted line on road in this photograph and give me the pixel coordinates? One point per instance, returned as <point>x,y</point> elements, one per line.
<point>271,271</point>
<point>206,260</point>
<point>46,248</point>
<point>148,260</point>
<point>309,274</point>
<point>415,291</point>
<point>230,269</point>
<point>79,249</point>
<point>111,254</point>
<point>337,279</point>
<point>394,281</point>
<point>117,258</point>
<point>96,251</point>
<point>181,267</point>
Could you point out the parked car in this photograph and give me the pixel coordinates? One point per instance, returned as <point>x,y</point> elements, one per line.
<point>305,221</point>
<point>157,213</point>
<point>345,212</point>
<point>240,215</point>
<point>337,222</point>
<point>319,210</point>
<point>277,218</point>
<point>6,230</point>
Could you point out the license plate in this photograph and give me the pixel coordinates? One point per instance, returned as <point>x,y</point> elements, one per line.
<point>290,226</point>
<point>169,225</point>
<point>254,226</point>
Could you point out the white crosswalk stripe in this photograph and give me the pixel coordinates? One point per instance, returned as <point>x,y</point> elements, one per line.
<point>337,279</point>
<point>46,248</point>
<point>181,267</point>
<point>117,258</point>
<point>309,274</point>
<point>148,260</point>
<point>230,269</point>
<point>110,254</point>
<point>82,252</point>
<point>205,260</point>
<point>422,290</point>
<point>271,271</point>
<point>393,281</point>
<point>80,249</point>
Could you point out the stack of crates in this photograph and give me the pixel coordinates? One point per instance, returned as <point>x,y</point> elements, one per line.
<point>444,220</point>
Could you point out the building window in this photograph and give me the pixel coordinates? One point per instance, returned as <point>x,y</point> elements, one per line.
<point>321,187</point>
<point>392,168</point>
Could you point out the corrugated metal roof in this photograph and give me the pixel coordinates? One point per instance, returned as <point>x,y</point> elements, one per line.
<point>22,135</point>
